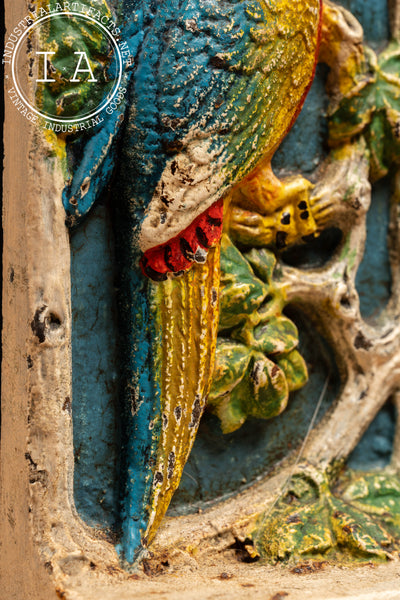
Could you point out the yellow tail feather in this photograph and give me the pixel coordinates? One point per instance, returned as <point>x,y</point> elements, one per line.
<point>189,312</point>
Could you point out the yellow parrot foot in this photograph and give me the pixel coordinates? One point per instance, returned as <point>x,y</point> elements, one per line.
<point>266,211</point>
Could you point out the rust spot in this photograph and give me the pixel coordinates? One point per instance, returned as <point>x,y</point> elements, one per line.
<point>163,197</point>
<point>48,566</point>
<point>172,147</point>
<point>219,102</point>
<point>224,576</point>
<point>171,464</point>
<point>200,255</point>
<point>158,478</point>
<point>196,413</point>
<point>36,475</point>
<point>213,221</point>
<point>361,341</point>
<point>147,568</point>
<point>256,372</point>
<point>279,595</point>
<point>67,405</point>
<point>113,570</point>
<point>11,517</point>
<point>155,566</point>
<point>293,519</point>
<point>309,567</point>
<point>275,371</point>
<point>349,528</point>
<point>218,62</point>
<point>170,123</point>
<point>186,249</point>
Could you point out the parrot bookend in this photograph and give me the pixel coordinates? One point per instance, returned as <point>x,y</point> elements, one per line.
<point>210,91</point>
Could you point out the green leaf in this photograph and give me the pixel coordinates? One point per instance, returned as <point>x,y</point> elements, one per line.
<point>308,519</point>
<point>266,392</point>
<point>241,291</point>
<point>297,531</point>
<point>356,108</point>
<point>354,530</point>
<point>377,495</point>
<point>230,412</point>
<point>375,137</point>
<point>231,363</point>
<point>375,488</point>
<point>295,369</point>
<point>241,390</point>
<point>263,262</point>
<point>277,335</point>
<point>372,108</point>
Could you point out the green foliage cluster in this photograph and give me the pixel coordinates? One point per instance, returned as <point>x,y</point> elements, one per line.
<point>64,35</point>
<point>372,109</point>
<point>257,363</point>
<point>360,522</point>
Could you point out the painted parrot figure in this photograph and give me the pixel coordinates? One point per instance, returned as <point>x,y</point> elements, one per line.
<point>213,87</point>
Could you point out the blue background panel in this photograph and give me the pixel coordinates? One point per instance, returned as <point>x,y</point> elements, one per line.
<point>218,464</point>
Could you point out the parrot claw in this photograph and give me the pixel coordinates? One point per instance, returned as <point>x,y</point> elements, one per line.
<point>191,246</point>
